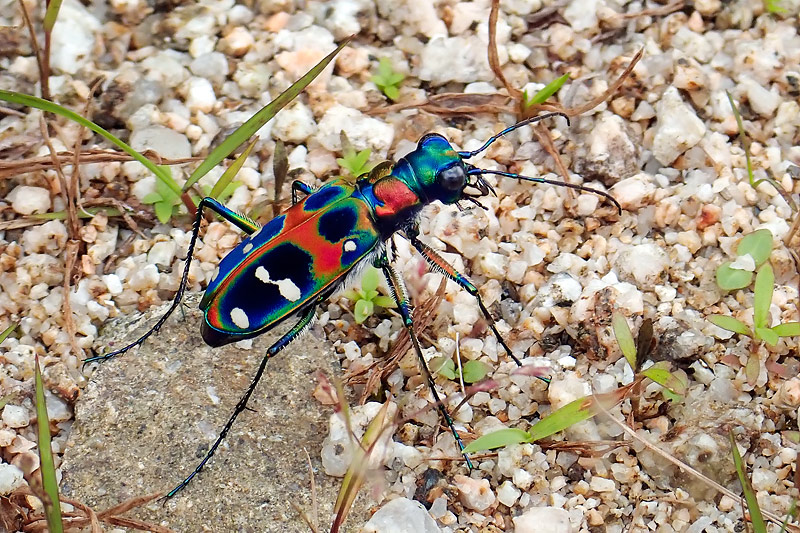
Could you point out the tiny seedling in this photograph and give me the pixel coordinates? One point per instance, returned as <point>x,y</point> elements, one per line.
<point>774,7</point>
<point>752,252</point>
<point>544,93</point>
<point>762,299</point>
<point>165,200</point>
<point>387,79</point>
<point>471,371</point>
<point>756,518</point>
<point>367,297</point>
<point>356,163</point>
<point>49,492</point>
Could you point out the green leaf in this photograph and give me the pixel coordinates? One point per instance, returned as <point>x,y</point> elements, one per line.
<point>230,172</point>
<point>51,15</point>
<point>52,504</point>
<point>370,279</point>
<point>666,379</point>
<point>731,279</point>
<point>474,371</point>
<point>762,296</point>
<point>444,366</point>
<point>564,417</point>
<point>758,244</point>
<point>789,329</point>
<point>8,331</point>
<point>45,105</point>
<point>228,191</point>
<point>363,310</point>
<point>624,338</point>
<point>774,7</point>
<point>547,91</point>
<point>384,301</point>
<point>386,79</point>
<point>254,123</point>
<point>767,335</point>
<point>152,198</point>
<point>759,526</point>
<point>163,211</point>
<point>391,92</point>
<point>730,323</point>
<point>498,439</point>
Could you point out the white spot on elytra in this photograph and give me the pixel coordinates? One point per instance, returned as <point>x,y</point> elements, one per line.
<point>239,318</point>
<point>248,247</point>
<point>350,246</point>
<point>286,287</point>
<point>289,290</point>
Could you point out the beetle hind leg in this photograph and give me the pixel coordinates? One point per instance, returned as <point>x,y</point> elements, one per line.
<point>400,295</point>
<point>280,344</point>
<point>240,221</point>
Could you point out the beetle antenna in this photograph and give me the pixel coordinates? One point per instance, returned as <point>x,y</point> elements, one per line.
<point>478,171</point>
<point>493,138</point>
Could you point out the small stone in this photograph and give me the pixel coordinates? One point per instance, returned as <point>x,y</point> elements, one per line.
<point>200,95</point>
<point>763,101</point>
<point>401,515</point>
<point>11,478</point>
<point>644,262</point>
<point>633,193</point>
<point>212,66</point>
<point>16,416</point>
<point>543,520</point>
<point>73,38</point>
<point>507,493</point>
<point>237,42</point>
<point>601,484</point>
<point>27,200</point>
<point>164,141</point>
<point>362,131</point>
<point>294,124</point>
<point>475,494</point>
<point>162,253</point>
<point>678,127</point>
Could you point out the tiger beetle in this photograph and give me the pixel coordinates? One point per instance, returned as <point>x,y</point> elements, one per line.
<point>301,257</point>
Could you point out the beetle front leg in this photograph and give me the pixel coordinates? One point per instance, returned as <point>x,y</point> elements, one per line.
<point>240,221</point>
<point>279,345</point>
<point>400,295</point>
<point>440,265</point>
<point>300,186</point>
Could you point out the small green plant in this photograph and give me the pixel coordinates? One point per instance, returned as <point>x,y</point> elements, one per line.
<point>774,7</point>
<point>762,298</point>
<point>356,163</point>
<point>588,406</point>
<point>471,371</point>
<point>544,93</point>
<point>733,275</point>
<point>756,518</point>
<point>387,79</point>
<point>367,297</point>
<point>166,202</point>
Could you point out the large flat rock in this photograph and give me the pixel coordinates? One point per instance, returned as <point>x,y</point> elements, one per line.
<point>147,418</point>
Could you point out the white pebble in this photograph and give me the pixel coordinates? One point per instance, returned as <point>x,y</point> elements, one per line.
<point>475,494</point>
<point>200,95</point>
<point>362,131</point>
<point>27,200</point>
<point>11,478</point>
<point>294,124</point>
<point>678,127</point>
<point>16,416</point>
<point>162,253</point>
<point>507,493</point>
<point>601,484</point>
<point>401,515</point>
<point>543,520</point>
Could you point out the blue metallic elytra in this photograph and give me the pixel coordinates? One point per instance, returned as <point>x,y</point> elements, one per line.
<point>295,261</point>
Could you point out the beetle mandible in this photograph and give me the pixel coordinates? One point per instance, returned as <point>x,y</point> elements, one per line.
<point>301,257</point>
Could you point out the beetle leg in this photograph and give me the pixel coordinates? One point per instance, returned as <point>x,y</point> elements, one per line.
<point>440,265</point>
<point>300,186</point>
<point>279,345</point>
<point>240,221</point>
<point>237,219</point>
<point>398,290</point>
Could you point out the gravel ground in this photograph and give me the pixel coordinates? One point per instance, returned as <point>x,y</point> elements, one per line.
<point>551,265</point>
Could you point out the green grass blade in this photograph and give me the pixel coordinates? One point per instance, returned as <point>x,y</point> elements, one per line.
<point>231,171</point>
<point>52,505</point>
<point>666,379</point>
<point>50,107</point>
<point>498,439</point>
<point>8,331</point>
<point>731,324</point>
<point>762,296</point>
<point>254,123</point>
<point>547,91</point>
<point>51,15</point>
<point>624,338</point>
<point>759,526</point>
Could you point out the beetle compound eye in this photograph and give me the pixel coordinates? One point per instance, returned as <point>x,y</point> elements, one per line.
<point>453,178</point>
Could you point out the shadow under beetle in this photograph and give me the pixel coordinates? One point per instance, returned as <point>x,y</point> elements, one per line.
<point>301,257</point>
